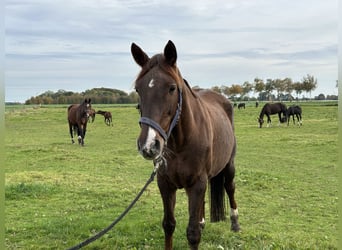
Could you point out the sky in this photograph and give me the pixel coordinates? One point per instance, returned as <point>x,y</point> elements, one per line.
<point>83,44</point>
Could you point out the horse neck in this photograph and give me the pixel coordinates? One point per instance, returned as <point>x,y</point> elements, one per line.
<point>187,119</point>
<point>262,113</point>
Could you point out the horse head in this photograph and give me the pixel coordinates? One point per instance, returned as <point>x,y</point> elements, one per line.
<point>159,86</point>
<point>261,121</point>
<point>86,107</point>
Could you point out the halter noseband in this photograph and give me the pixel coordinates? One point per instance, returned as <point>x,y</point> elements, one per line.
<point>156,126</point>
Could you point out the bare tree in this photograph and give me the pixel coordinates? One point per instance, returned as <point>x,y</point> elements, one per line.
<point>309,83</point>
<point>259,85</point>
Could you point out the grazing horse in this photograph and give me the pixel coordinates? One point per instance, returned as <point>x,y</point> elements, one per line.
<point>271,109</point>
<point>189,135</point>
<point>241,105</point>
<point>107,117</point>
<point>78,115</point>
<point>294,111</point>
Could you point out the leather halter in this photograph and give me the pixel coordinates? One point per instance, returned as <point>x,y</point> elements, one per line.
<point>156,126</point>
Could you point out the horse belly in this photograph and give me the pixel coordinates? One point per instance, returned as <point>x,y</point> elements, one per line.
<point>222,146</point>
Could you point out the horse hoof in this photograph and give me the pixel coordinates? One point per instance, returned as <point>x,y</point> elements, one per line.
<point>235,227</point>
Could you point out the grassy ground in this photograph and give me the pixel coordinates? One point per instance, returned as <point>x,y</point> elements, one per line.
<point>58,194</point>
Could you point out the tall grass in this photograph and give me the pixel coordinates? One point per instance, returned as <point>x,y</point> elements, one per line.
<point>58,194</point>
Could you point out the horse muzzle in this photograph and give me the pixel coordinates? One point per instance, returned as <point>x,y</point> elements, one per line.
<point>150,146</point>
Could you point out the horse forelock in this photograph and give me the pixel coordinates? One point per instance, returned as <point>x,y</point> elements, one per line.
<point>157,62</point>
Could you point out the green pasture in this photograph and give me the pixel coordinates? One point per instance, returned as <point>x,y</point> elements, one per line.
<point>58,194</point>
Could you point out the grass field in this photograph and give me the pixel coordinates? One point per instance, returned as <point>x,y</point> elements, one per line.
<point>58,194</point>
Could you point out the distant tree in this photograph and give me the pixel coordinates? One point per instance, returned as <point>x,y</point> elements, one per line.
<point>259,85</point>
<point>309,83</point>
<point>278,86</point>
<point>216,89</point>
<point>247,87</point>
<point>269,87</point>
<point>235,90</point>
<point>320,97</point>
<point>225,90</point>
<point>288,85</point>
<point>298,87</point>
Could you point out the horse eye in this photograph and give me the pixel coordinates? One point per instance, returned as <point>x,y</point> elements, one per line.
<point>172,88</point>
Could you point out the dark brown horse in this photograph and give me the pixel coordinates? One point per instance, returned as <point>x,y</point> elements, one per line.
<point>242,105</point>
<point>293,111</point>
<point>271,109</point>
<point>189,134</point>
<point>78,115</point>
<point>107,117</point>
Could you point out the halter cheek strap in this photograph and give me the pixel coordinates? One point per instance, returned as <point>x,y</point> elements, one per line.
<point>156,126</point>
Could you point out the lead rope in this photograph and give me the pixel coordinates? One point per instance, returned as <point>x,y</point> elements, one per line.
<point>158,163</point>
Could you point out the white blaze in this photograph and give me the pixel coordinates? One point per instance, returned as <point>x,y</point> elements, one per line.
<point>151,136</point>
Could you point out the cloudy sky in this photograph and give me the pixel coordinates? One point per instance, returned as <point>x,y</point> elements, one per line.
<point>81,44</point>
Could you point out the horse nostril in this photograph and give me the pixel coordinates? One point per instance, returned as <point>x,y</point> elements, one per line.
<point>156,146</point>
<point>150,151</point>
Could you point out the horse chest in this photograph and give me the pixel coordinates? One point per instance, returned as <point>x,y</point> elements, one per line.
<point>184,170</point>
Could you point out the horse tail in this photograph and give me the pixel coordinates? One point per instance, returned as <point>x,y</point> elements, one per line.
<point>217,198</point>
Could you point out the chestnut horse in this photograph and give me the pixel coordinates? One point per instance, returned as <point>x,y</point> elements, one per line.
<point>78,115</point>
<point>107,117</point>
<point>189,134</point>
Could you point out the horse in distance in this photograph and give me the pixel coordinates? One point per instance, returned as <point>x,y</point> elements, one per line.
<point>241,105</point>
<point>92,114</point>
<point>107,117</point>
<point>78,115</point>
<point>293,111</point>
<point>270,109</point>
<point>189,135</point>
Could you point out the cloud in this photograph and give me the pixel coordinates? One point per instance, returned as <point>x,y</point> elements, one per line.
<point>83,44</point>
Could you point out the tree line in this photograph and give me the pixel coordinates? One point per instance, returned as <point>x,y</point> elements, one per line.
<point>271,89</point>
<point>97,95</point>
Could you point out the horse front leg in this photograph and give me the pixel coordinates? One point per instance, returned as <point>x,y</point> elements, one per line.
<point>196,195</point>
<point>84,130</point>
<point>71,133</point>
<point>168,194</point>
<point>81,135</point>
<point>269,122</point>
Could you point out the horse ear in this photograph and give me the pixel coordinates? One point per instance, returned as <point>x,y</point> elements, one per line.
<point>139,55</point>
<point>170,53</point>
<point>89,100</point>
